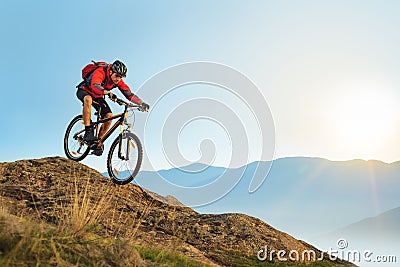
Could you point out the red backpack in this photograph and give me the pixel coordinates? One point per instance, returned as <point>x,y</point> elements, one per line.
<point>90,68</point>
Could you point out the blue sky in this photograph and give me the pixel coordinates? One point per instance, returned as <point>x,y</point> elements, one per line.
<point>328,69</point>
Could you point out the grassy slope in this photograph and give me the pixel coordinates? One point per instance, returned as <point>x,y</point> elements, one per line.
<point>28,243</point>
<point>74,233</point>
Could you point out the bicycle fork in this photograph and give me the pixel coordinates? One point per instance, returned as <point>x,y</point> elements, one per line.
<point>121,155</point>
<point>123,135</point>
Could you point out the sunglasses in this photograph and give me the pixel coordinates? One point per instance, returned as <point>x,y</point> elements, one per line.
<point>118,76</point>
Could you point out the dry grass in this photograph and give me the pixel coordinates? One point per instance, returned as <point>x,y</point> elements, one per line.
<point>86,209</point>
<point>72,239</point>
<point>26,243</point>
<point>87,226</point>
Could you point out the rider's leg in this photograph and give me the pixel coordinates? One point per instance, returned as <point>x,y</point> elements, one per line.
<point>104,128</point>
<point>87,103</point>
<point>89,134</point>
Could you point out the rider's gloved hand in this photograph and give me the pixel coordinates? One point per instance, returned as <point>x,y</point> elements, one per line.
<point>112,96</point>
<point>145,106</point>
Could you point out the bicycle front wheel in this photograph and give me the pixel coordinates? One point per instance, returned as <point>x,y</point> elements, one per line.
<point>125,158</point>
<point>74,147</point>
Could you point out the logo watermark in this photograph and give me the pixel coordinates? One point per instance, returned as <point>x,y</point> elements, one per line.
<point>341,252</point>
<point>283,255</point>
<point>208,94</point>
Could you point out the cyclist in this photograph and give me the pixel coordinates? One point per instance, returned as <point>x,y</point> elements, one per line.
<point>94,88</point>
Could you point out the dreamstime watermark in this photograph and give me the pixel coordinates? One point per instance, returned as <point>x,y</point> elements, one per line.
<point>164,126</point>
<point>283,255</point>
<point>341,252</point>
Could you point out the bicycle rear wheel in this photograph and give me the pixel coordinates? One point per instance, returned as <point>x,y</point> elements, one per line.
<point>74,147</point>
<point>125,158</point>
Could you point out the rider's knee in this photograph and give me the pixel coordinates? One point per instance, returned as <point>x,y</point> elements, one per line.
<point>109,115</point>
<point>87,100</point>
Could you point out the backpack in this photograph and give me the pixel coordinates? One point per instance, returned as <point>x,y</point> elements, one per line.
<point>89,69</point>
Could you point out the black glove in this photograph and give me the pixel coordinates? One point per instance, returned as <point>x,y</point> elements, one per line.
<point>112,97</point>
<point>144,106</point>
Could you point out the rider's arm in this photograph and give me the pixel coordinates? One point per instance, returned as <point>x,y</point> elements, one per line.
<point>97,78</point>
<point>126,91</point>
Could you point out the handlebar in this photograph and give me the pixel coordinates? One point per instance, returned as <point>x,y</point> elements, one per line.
<point>122,102</point>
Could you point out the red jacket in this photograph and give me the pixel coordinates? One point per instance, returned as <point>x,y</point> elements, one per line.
<point>100,80</point>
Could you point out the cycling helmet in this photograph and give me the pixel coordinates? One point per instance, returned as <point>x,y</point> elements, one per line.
<point>119,68</point>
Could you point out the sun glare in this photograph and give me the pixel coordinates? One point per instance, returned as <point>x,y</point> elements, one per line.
<point>364,122</point>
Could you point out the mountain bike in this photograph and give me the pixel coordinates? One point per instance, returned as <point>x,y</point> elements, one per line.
<point>126,152</point>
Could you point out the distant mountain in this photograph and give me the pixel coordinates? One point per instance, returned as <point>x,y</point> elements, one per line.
<point>379,235</point>
<point>381,229</point>
<point>302,196</point>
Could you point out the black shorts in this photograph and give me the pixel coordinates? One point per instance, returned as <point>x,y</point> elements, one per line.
<point>105,108</point>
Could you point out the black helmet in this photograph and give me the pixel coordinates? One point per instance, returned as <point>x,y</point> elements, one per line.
<point>119,68</point>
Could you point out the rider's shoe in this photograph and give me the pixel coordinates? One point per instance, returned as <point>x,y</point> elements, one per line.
<point>89,135</point>
<point>98,150</point>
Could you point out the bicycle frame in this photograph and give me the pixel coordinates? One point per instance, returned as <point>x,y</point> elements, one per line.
<point>119,122</point>
<point>113,127</point>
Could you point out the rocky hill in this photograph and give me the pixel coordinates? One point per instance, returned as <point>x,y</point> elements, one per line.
<point>65,194</point>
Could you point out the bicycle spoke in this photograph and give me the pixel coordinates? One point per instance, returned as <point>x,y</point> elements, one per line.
<point>124,168</point>
<point>73,141</point>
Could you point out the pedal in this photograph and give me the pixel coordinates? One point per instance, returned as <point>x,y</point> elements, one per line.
<point>98,151</point>
<point>82,141</point>
<point>94,144</point>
